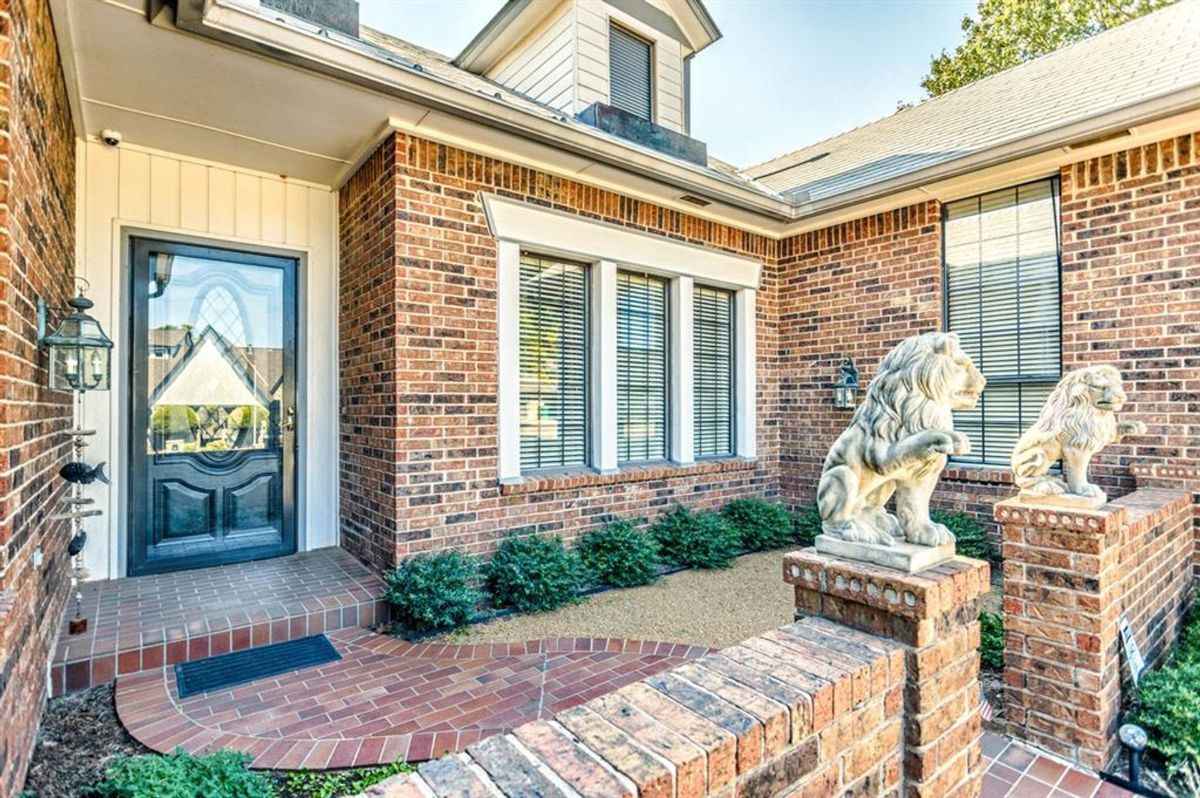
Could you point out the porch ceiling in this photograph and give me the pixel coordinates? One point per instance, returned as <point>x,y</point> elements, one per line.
<point>156,85</point>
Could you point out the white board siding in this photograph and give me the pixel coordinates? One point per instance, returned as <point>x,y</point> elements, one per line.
<point>593,18</point>
<point>543,62</point>
<point>130,188</point>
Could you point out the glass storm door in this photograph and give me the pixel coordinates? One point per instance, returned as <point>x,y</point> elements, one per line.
<point>213,415</point>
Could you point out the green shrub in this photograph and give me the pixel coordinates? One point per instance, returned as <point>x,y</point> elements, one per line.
<point>330,783</point>
<point>991,640</point>
<point>1167,706</point>
<point>223,774</point>
<point>619,555</point>
<point>174,420</point>
<point>1187,648</point>
<point>533,574</point>
<point>759,525</point>
<point>695,540</point>
<point>971,537</point>
<point>808,525</point>
<point>433,591</point>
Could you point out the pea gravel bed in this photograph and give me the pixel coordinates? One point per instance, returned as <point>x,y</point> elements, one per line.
<point>709,608</point>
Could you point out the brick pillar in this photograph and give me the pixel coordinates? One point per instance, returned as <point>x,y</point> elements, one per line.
<point>1178,477</point>
<point>1069,574</point>
<point>934,615</point>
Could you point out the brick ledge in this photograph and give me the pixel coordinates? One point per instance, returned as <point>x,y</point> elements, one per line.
<point>537,484</point>
<point>962,472</point>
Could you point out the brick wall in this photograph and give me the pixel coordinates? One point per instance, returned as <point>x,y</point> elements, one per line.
<point>37,220</point>
<point>419,361</point>
<point>1131,295</point>
<point>1068,576</point>
<point>812,710</point>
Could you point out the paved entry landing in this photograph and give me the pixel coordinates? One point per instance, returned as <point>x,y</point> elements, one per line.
<point>387,700</point>
<point>145,622</point>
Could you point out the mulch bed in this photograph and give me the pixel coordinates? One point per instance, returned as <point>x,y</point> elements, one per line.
<point>78,737</point>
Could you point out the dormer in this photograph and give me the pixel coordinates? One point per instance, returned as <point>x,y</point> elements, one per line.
<point>628,55</point>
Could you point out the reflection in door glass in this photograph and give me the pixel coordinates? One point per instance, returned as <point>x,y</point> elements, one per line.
<point>214,355</point>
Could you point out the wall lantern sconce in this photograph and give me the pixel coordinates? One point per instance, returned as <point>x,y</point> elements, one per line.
<point>845,390</point>
<point>79,351</point>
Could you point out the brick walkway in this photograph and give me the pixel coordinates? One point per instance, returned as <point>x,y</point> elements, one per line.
<point>145,622</point>
<point>1014,771</point>
<point>387,699</point>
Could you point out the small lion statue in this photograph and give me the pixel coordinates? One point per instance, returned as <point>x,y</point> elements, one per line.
<point>1077,421</point>
<point>897,442</point>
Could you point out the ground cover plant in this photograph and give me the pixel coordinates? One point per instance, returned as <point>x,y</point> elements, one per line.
<point>1167,706</point>
<point>434,591</point>
<point>759,525</point>
<point>533,574</point>
<point>221,774</point>
<point>695,540</point>
<point>991,640</point>
<point>620,555</point>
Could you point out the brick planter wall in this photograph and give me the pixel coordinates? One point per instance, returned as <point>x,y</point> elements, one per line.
<point>812,710</point>
<point>419,361</point>
<point>37,257</point>
<point>1068,576</point>
<point>1182,478</point>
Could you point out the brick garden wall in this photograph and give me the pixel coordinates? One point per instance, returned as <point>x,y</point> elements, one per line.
<point>419,361</point>
<point>1068,577</point>
<point>37,257</point>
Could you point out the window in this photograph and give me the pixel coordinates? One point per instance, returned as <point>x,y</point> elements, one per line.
<point>641,367</point>
<point>630,74</point>
<point>712,364</point>
<point>1003,298</point>
<point>553,357</point>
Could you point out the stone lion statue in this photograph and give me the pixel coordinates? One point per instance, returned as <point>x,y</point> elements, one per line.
<point>897,443</point>
<point>1077,421</point>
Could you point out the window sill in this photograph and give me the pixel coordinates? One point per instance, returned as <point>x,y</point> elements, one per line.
<point>538,483</point>
<point>986,474</point>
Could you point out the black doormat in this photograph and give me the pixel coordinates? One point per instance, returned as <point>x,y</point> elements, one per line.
<point>226,670</point>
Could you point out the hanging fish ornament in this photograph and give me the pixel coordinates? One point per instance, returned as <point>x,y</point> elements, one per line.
<point>76,544</point>
<point>83,474</point>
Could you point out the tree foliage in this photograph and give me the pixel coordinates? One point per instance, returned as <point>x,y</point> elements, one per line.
<point>1005,33</point>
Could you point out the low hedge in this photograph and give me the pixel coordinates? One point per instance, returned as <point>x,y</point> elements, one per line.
<point>759,525</point>
<point>1167,704</point>
<point>695,540</point>
<point>533,574</point>
<point>434,591</point>
<point>221,774</point>
<point>971,538</point>
<point>619,555</point>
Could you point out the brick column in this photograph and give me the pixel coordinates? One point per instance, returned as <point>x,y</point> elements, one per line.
<point>934,615</point>
<point>1068,576</point>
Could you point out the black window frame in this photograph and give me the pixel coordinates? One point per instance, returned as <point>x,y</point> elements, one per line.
<point>984,458</point>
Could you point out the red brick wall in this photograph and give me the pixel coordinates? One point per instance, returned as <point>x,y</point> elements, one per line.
<point>1068,576</point>
<point>812,710</point>
<point>1131,294</point>
<point>419,360</point>
<point>37,211</point>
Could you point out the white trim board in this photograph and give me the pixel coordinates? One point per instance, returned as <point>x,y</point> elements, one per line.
<point>558,233</point>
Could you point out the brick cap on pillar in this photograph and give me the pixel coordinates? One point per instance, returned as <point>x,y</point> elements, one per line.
<point>1189,475</point>
<point>1022,512</point>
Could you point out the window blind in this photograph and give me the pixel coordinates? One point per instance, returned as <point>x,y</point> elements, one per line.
<point>630,73</point>
<point>641,367</point>
<point>712,371</point>
<point>1004,299</point>
<point>554,400</point>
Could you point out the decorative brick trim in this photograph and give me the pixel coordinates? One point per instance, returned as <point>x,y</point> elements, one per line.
<point>1158,471</point>
<point>1017,512</point>
<point>984,474</point>
<point>555,482</point>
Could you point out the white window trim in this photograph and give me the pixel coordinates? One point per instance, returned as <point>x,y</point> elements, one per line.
<point>520,226</point>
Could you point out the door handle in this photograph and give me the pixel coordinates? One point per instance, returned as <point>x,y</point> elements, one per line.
<point>289,420</point>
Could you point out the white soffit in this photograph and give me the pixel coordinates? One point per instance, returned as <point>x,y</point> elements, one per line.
<point>556,232</point>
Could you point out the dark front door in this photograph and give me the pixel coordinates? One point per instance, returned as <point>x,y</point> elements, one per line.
<point>213,410</point>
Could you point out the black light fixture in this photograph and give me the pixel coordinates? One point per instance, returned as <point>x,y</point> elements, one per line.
<point>845,390</point>
<point>78,349</point>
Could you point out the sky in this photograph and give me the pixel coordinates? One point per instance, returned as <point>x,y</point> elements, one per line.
<point>786,73</point>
